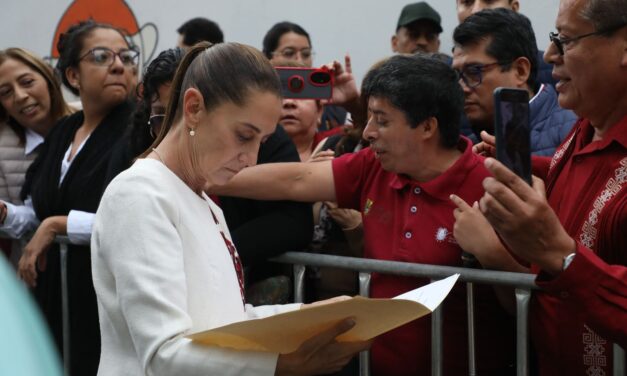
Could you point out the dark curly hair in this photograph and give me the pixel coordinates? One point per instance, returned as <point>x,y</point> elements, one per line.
<point>222,73</point>
<point>70,46</point>
<point>160,71</point>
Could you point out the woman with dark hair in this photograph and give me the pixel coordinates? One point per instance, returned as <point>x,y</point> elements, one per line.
<point>163,259</point>
<point>67,179</point>
<point>30,104</point>
<point>153,92</point>
<point>288,41</point>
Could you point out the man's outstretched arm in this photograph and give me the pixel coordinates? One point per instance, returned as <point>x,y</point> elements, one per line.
<point>308,182</point>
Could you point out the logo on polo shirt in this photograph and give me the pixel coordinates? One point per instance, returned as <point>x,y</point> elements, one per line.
<point>443,234</point>
<point>368,206</point>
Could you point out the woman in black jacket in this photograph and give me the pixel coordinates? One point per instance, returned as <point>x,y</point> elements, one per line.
<point>67,180</point>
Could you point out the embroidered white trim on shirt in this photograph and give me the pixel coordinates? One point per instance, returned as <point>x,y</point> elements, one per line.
<point>593,352</point>
<point>588,234</point>
<point>560,151</point>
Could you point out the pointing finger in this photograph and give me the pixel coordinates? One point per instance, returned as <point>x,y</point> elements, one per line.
<point>461,204</point>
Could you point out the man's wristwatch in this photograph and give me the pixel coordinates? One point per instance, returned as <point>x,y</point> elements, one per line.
<point>567,260</point>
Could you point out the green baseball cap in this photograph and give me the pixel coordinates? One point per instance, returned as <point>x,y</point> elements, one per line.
<point>419,11</point>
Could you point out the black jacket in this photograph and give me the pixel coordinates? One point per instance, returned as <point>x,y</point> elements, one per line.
<point>81,189</point>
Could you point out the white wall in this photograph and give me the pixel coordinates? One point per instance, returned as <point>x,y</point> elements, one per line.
<point>361,27</point>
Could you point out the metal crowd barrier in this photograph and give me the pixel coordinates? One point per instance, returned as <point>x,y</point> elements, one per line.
<point>65,305</point>
<point>523,284</point>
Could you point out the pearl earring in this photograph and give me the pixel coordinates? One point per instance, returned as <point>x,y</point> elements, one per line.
<point>192,132</point>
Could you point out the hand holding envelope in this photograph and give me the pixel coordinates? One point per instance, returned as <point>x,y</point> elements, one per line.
<point>286,332</point>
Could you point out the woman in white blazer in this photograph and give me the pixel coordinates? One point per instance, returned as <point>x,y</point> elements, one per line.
<point>163,262</point>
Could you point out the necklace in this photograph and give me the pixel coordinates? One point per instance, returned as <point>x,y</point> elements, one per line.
<point>158,155</point>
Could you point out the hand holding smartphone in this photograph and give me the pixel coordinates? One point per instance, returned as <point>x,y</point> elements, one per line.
<point>513,134</point>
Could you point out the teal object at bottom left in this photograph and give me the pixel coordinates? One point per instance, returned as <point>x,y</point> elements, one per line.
<point>26,348</point>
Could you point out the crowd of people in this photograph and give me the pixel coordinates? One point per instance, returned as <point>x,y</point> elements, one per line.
<point>152,178</point>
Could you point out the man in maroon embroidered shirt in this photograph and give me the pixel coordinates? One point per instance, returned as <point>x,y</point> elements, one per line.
<point>401,184</point>
<point>575,232</point>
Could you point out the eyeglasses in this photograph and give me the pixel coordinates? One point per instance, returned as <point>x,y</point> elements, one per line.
<point>155,122</point>
<point>290,53</point>
<point>105,56</point>
<point>561,42</point>
<point>472,75</point>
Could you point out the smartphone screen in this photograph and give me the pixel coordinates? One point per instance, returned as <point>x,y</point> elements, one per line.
<point>513,139</point>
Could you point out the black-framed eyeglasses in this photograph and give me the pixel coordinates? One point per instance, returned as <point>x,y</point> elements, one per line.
<point>105,56</point>
<point>561,42</point>
<point>472,75</point>
<point>290,53</point>
<point>155,122</point>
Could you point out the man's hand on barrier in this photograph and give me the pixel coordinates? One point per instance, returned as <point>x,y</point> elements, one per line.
<point>523,218</point>
<point>3,212</point>
<point>473,232</point>
<point>475,235</point>
<point>35,251</point>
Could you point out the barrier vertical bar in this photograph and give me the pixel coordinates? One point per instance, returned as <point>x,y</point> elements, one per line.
<point>65,307</point>
<point>364,356</point>
<point>619,361</point>
<point>436,340</point>
<point>299,283</point>
<point>522,318</point>
<point>470,299</point>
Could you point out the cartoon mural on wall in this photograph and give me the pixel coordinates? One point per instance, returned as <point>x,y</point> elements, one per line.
<point>113,12</point>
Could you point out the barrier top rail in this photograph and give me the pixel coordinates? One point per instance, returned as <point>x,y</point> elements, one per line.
<point>481,276</point>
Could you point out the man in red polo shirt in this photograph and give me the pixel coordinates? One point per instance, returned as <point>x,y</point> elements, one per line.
<point>401,185</point>
<point>574,232</point>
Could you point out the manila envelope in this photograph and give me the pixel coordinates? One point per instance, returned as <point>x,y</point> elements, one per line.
<point>285,332</point>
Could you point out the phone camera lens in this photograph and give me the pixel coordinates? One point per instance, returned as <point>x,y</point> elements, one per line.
<point>296,84</point>
<point>320,78</point>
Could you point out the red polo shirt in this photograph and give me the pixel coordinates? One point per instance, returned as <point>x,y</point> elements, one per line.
<point>410,221</point>
<point>586,186</point>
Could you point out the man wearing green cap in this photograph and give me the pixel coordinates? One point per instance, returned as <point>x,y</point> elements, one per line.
<point>418,29</point>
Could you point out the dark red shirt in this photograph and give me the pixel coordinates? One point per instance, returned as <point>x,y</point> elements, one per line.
<point>410,221</point>
<point>585,306</point>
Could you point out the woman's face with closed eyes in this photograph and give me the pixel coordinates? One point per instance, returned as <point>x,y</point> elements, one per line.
<point>228,137</point>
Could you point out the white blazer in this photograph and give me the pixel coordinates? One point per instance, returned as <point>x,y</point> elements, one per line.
<point>161,271</point>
